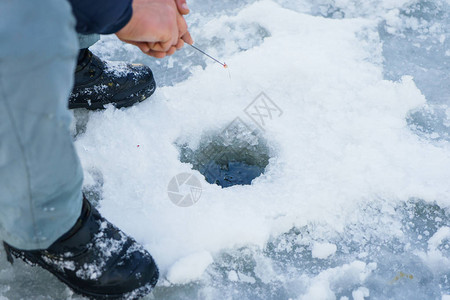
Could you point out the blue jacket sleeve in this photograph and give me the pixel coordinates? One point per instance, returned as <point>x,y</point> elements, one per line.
<point>101,16</point>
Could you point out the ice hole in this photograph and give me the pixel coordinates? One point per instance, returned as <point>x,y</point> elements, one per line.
<point>234,156</point>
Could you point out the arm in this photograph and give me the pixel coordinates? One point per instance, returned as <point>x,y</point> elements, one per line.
<point>157,27</point>
<point>105,16</point>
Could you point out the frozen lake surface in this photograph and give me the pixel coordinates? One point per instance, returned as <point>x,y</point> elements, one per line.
<point>353,134</point>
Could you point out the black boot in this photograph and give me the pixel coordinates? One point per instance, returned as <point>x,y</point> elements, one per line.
<point>98,83</point>
<point>96,260</point>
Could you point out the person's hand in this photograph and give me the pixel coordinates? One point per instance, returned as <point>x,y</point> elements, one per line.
<point>182,7</point>
<point>157,27</point>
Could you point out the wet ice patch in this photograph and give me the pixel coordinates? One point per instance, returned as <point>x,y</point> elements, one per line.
<point>347,8</point>
<point>247,35</point>
<point>431,122</point>
<point>415,42</point>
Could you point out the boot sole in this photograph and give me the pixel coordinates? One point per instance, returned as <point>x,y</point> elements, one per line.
<point>133,295</point>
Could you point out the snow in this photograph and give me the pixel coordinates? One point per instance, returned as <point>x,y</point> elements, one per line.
<point>361,293</point>
<point>436,240</point>
<point>323,250</point>
<point>325,285</point>
<point>353,181</point>
<point>435,256</point>
<point>233,276</point>
<point>196,263</point>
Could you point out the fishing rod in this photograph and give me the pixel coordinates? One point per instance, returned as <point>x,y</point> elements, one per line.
<point>216,60</point>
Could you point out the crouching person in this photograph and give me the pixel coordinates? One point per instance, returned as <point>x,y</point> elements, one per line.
<point>44,218</point>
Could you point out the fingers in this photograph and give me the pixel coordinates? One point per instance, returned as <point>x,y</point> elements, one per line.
<point>182,7</point>
<point>153,49</point>
<point>187,38</point>
<point>182,26</point>
<point>180,44</point>
<point>159,54</point>
<point>157,50</point>
<point>156,54</point>
<point>149,49</point>
<point>171,51</point>
<point>162,46</point>
<point>144,47</point>
<point>170,33</point>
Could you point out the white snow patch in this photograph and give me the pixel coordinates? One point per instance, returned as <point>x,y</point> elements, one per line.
<point>233,276</point>
<point>324,285</point>
<point>189,268</point>
<point>246,278</point>
<point>323,250</point>
<point>361,293</point>
<point>436,240</point>
<point>438,262</point>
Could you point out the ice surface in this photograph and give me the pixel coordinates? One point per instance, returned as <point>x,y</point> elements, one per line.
<point>359,158</point>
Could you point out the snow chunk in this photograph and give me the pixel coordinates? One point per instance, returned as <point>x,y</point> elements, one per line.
<point>324,285</point>
<point>360,293</point>
<point>436,240</point>
<point>434,257</point>
<point>323,250</point>
<point>233,276</point>
<point>246,278</point>
<point>189,268</point>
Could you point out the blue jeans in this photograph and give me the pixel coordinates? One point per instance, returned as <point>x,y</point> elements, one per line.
<point>88,40</point>
<point>40,173</point>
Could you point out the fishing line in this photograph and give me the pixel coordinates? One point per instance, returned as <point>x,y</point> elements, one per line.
<point>203,52</point>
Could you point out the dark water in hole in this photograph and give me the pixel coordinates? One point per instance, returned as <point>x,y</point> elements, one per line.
<point>231,173</point>
<point>227,160</point>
